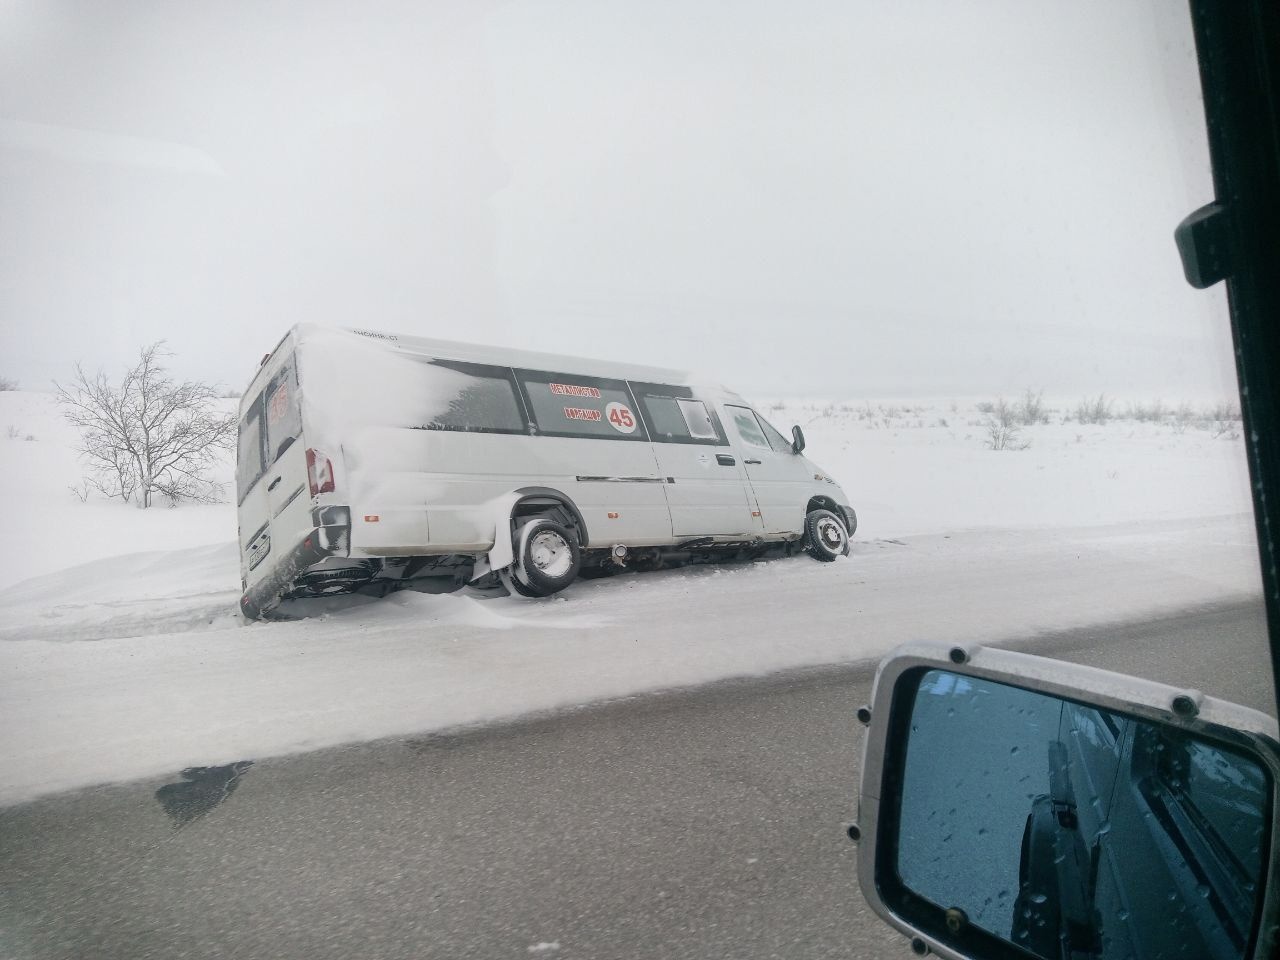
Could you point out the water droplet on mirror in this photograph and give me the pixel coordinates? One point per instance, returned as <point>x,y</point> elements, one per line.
<point>1038,898</point>
<point>1203,890</point>
<point>1123,914</point>
<point>982,831</point>
<point>1013,750</point>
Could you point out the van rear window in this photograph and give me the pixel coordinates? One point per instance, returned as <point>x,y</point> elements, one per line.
<point>249,459</point>
<point>569,405</point>
<point>284,415</point>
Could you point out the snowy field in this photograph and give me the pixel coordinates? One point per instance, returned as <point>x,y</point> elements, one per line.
<point>122,653</point>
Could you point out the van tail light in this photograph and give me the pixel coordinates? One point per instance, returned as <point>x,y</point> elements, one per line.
<point>319,472</point>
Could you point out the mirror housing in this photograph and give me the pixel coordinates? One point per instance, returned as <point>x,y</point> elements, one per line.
<point>924,870</point>
<point>797,439</point>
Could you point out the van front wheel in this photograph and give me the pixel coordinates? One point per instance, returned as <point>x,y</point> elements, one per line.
<point>549,558</point>
<point>825,536</point>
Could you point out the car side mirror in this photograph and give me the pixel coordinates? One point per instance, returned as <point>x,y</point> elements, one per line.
<point>1014,806</point>
<point>797,439</point>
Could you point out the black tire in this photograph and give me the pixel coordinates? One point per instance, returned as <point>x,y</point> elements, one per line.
<point>853,520</point>
<point>549,559</point>
<point>825,536</point>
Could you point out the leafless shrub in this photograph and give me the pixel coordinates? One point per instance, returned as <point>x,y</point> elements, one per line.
<point>1002,436</point>
<point>1094,409</point>
<point>14,432</point>
<point>1154,412</point>
<point>6,384</point>
<point>81,490</point>
<point>147,435</point>
<point>1220,419</point>
<point>1031,410</point>
<point>30,437</point>
<point>1002,426</point>
<point>1182,417</point>
<point>1224,412</point>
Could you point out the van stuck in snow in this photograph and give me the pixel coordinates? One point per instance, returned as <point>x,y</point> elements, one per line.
<point>368,462</point>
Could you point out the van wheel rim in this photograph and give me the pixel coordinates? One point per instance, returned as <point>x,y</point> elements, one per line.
<point>831,534</point>
<point>550,554</point>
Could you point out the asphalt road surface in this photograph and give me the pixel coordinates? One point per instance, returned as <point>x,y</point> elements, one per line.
<point>700,824</point>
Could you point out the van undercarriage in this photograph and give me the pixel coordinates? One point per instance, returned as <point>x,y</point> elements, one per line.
<point>320,567</point>
<point>441,574</point>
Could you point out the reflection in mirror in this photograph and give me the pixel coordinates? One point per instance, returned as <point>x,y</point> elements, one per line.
<point>1076,832</point>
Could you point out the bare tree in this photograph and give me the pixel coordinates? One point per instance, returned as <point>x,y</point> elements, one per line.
<point>148,434</point>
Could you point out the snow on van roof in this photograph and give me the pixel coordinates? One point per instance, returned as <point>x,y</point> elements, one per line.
<point>507,357</point>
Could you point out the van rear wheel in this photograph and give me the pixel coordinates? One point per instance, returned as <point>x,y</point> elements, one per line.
<point>549,558</point>
<point>825,536</point>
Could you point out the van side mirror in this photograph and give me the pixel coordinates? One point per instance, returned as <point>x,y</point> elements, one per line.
<point>797,439</point>
<point>1010,801</point>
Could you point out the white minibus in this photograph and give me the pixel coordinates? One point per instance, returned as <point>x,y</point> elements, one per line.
<point>368,462</point>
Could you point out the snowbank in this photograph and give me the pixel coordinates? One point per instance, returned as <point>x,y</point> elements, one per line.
<point>138,665</point>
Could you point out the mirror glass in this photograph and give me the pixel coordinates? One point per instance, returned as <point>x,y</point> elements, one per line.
<point>1072,831</point>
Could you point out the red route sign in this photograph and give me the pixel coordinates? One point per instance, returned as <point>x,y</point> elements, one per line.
<point>279,404</point>
<point>572,390</point>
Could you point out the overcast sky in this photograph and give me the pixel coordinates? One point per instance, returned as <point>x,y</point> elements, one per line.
<point>845,198</point>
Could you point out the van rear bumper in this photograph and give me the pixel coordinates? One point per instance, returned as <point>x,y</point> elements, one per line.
<point>330,537</point>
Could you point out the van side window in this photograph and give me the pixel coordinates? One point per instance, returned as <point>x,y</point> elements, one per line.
<point>697,419</point>
<point>674,415</point>
<point>780,443</point>
<point>473,398</point>
<point>572,405</point>
<point>748,427</point>
<point>284,414</point>
<point>250,463</point>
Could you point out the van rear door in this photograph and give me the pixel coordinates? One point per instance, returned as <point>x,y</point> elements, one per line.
<point>253,511</point>
<point>271,474</point>
<point>286,478</point>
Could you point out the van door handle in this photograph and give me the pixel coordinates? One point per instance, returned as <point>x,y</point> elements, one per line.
<point>273,484</point>
<point>725,460</point>
<point>753,461</point>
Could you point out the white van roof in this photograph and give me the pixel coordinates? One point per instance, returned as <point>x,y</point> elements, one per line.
<point>507,357</point>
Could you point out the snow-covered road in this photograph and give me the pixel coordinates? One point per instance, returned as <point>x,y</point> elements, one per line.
<point>141,666</point>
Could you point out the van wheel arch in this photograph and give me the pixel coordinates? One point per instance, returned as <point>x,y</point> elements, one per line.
<point>547,502</point>
<point>822,503</point>
<point>845,514</point>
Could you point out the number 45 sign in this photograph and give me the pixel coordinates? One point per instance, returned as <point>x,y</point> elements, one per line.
<point>620,417</point>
